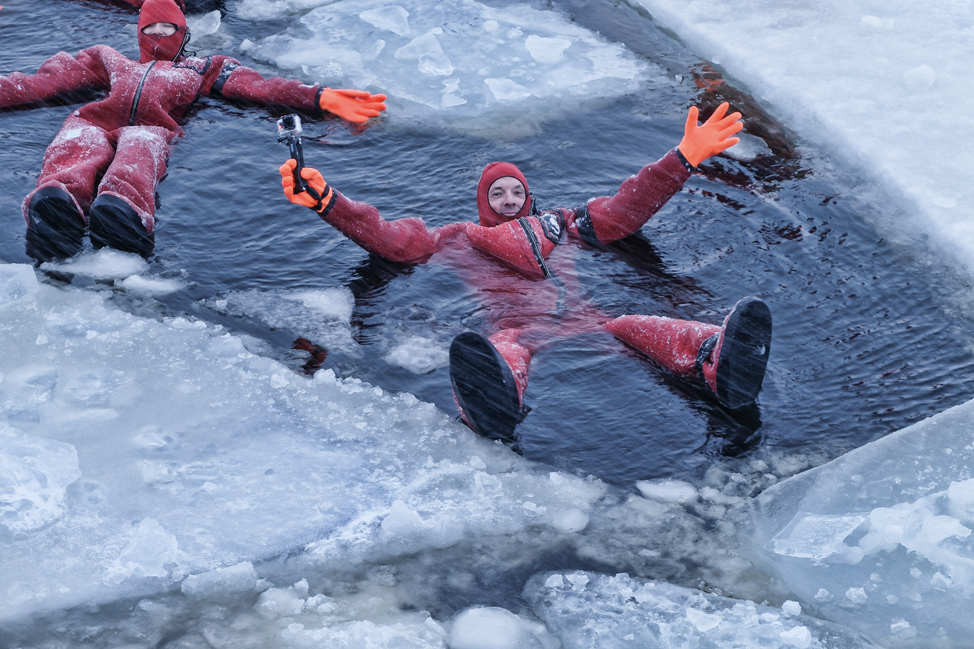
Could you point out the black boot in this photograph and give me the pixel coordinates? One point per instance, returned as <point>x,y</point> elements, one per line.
<point>113,222</point>
<point>744,353</point>
<point>55,228</point>
<point>484,387</point>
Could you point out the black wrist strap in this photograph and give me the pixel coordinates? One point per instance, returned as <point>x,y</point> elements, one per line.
<point>686,163</point>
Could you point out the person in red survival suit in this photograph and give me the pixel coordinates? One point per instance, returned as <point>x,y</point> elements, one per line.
<point>517,262</point>
<point>102,168</point>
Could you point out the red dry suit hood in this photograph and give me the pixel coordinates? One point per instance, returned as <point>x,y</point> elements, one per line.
<point>161,48</point>
<point>493,171</point>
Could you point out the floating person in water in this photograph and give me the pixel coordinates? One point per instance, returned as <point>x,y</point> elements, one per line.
<point>102,169</point>
<point>517,261</point>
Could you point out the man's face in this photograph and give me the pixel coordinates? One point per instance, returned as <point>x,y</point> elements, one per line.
<point>160,29</point>
<point>506,196</point>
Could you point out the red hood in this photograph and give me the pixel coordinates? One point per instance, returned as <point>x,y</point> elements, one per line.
<point>161,48</point>
<point>493,171</point>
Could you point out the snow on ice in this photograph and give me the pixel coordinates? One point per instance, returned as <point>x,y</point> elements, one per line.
<point>875,81</point>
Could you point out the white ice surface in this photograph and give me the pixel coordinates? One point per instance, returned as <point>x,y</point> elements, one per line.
<point>136,453</point>
<point>880,82</point>
<point>142,456</point>
<point>456,62</point>
<point>587,610</point>
<point>880,538</point>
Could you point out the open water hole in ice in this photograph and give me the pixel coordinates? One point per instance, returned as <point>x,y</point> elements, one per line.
<point>865,341</point>
<point>862,344</point>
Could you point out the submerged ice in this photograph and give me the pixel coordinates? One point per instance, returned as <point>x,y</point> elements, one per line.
<point>596,610</point>
<point>459,62</point>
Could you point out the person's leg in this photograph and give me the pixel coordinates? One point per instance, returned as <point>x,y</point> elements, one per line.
<point>54,211</point>
<point>730,359</point>
<point>123,214</point>
<point>489,377</point>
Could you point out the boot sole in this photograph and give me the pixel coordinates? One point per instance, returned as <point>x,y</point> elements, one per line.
<point>56,228</point>
<point>484,387</point>
<point>744,353</point>
<point>115,224</point>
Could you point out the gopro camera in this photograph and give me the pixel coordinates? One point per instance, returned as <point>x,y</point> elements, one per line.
<point>289,132</point>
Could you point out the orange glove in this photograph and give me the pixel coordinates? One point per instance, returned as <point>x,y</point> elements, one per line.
<point>319,194</point>
<point>701,142</point>
<point>354,105</point>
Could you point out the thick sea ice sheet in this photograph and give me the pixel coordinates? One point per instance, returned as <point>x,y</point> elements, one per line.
<point>876,80</point>
<point>880,538</point>
<point>587,609</point>
<point>457,62</point>
<point>136,453</point>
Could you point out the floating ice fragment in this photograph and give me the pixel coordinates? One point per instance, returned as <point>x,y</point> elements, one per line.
<point>394,18</point>
<point>149,285</point>
<point>856,595</point>
<point>223,583</point>
<point>401,521</point>
<point>486,628</point>
<point>419,355</point>
<point>334,303</point>
<point>507,89</point>
<point>427,51</point>
<point>667,491</point>
<point>749,148</point>
<point>546,50</point>
<point>573,520</point>
<point>899,626</point>
<point>208,23</point>
<point>702,621</point>
<point>16,281</point>
<point>149,550</point>
<point>791,608</point>
<point>798,636</point>
<point>106,263</point>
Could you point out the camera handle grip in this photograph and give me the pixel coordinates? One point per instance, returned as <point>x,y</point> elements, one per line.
<point>294,147</point>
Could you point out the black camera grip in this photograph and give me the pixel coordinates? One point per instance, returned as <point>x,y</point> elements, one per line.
<point>294,147</point>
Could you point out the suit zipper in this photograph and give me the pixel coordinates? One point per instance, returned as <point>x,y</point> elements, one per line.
<point>535,246</point>
<point>561,305</point>
<point>138,94</point>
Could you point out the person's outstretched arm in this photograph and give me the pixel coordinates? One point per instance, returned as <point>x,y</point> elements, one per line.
<point>227,78</point>
<point>610,218</point>
<point>404,240</point>
<point>60,74</point>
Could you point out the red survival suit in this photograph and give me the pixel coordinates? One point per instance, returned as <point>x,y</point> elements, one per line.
<point>119,145</point>
<point>522,270</point>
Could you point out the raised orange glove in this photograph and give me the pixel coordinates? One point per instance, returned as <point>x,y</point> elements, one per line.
<point>701,142</point>
<point>317,196</point>
<point>354,105</point>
